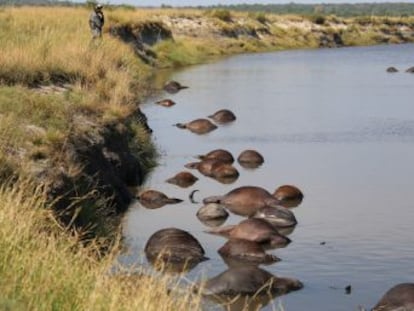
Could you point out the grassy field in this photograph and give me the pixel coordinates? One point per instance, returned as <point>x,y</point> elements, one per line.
<point>58,88</point>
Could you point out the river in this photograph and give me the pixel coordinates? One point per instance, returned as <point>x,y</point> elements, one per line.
<point>332,122</point>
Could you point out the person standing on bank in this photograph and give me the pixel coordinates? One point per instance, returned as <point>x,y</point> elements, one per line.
<point>96,21</point>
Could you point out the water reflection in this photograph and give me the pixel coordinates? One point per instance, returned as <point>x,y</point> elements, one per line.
<point>243,302</point>
<point>227,180</point>
<point>213,223</point>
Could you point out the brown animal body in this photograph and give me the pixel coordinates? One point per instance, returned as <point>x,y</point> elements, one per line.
<point>154,199</point>
<point>288,195</point>
<point>205,167</point>
<point>223,171</point>
<point>174,246</point>
<point>256,230</point>
<point>250,159</point>
<point>198,126</point>
<point>223,116</point>
<point>214,168</point>
<point>218,154</point>
<point>249,280</point>
<point>173,87</point>
<point>183,179</point>
<point>238,251</point>
<point>247,200</point>
<point>166,103</point>
<point>398,298</point>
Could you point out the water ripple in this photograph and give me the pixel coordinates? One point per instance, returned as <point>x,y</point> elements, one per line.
<point>378,131</point>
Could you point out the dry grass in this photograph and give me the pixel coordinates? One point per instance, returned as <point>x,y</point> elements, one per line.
<point>53,45</point>
<point>43,268</point>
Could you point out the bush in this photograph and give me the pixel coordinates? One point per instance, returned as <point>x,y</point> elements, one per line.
<point>318,19</point>
<point>259,16</point>
<point>222,14</point>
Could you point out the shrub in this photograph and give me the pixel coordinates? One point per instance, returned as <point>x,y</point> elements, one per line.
<point>222,14</point>
<point>259,16</point>
<point>318,19</point>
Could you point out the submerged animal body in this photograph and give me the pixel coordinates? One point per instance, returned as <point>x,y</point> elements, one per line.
<point>244,201</point>
<point>242,252</point>
<point>273,216</point>
<point>223,171</point>
<point>398,298</point>
<point>410,70</point>
<point>250,159</point>
<point>288,195</point>
<point>249,280</point>
<point>183,179</point>
<point>392,69</point>
<point>204,167</point>
<point>214,168</point>
<point>198,126</point>
<point>212,211</point>
<point>153,199</point>
<point>223,116</point>
<point>247,200</point>
<point>176,247</point>
<point>256,230</point>
<point>218,155</point>
<point>166,103</point>
<point>212,215</point>
<point>173,87</point>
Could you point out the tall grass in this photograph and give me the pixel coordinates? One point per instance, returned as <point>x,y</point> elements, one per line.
<point>43,268</point>
<point>53,45</point>
<point>100,84</point>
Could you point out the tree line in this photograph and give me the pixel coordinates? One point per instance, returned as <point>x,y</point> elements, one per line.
<point>341,9</point>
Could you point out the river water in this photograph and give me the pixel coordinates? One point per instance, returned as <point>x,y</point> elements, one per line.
<point>332,122</point>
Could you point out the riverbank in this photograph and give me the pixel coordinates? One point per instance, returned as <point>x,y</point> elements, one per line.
<point>195,36</point>
<point>70,122</point>
<point>83,135</point>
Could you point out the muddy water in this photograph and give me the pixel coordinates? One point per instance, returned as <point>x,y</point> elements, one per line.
<point>331,122</point>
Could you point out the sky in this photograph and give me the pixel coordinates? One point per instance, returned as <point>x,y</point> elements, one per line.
<point>226,2</point>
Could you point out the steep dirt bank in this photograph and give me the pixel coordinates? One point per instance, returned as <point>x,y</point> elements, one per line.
<point>216,34</point>
<point>90,180</point>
